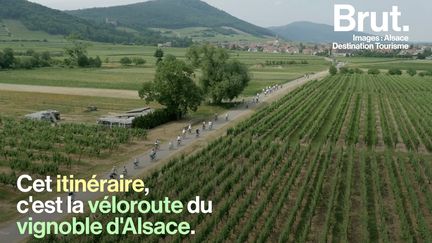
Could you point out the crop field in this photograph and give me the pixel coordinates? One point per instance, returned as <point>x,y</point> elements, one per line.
<point>423,65</point>
<point>19,32</point>
<point>16,149</point>
<point>361,60</point>
<point>38,148</point>
<point>387,63</point>
<point>342,159</point>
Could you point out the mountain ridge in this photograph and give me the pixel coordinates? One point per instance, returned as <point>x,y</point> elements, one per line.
<point>306,31</point>
<point>38,17</point>
<point>171,14</point>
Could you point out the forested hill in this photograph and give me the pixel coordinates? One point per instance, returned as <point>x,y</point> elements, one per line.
<point>38,17</point>
<point>313,32</point>
<point>171,14</point>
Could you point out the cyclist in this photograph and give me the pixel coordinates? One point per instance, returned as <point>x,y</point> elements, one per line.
<point>136,163</point>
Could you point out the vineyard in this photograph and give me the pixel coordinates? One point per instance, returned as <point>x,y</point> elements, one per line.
<point>39,148</point>
<point>344,159</point>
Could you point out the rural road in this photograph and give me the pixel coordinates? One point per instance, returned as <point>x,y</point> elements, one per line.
<point>9,231</point>
<point>110,93</point>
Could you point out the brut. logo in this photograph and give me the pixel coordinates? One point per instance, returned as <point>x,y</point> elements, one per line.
<point>345,19</point>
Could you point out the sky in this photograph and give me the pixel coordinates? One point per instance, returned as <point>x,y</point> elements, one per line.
<point>265,13</point>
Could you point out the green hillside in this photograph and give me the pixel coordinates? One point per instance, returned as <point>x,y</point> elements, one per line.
<point>170,14</point>
<point>204,34</point>
<point>36,17</point>
<point>15,30</point>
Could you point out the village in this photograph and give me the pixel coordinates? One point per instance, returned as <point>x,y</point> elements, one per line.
<point>322,49</point>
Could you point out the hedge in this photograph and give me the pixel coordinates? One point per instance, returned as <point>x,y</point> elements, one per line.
<point>154,119</point>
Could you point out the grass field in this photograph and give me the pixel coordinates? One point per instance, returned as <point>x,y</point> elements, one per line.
<point>73,108</point>
<point>114,76</point>
<point>343,159</point>
<point>107,78</point>
<point>133,78</point>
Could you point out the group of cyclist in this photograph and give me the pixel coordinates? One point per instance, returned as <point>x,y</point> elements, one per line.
<point>186,130</point>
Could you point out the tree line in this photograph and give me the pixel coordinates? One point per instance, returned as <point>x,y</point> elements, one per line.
<point>76,56</point>
<point>375,71</point>
<point>30,59</point>
<point>284,62</point>
<point>126,61</point>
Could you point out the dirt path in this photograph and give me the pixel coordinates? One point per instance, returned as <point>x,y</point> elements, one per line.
<point>111,93</point>
<point>9,231</point>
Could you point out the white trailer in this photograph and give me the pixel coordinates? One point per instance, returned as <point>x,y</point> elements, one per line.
<point>48,115</point>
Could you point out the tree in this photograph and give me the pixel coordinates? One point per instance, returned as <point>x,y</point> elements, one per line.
<point>95,62</point>
<point>333,70</point>
<point>374,71</point>
<point>301,47</point>
<point>412,72</point>
<point>221,78</point>
<point>45,59</point>
<point>83,61</point>
<point>77,56</point>
<point>358,70</point>
<point>7,58</point>
<point>139,61</point>
<point>421,56</point>
<point>428,51</point>
<point>235,78</point>
<point>30,52</point>
<point>159,54</point>
<point>344,70</point>
<point>1,60</point>
<point>395,71</point>
<point>173,87</point>
<point>77,53</point>
<point>125,61</point>
<point>26,63</point>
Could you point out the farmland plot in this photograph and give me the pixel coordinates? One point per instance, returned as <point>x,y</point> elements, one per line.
<point>39,148</point>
